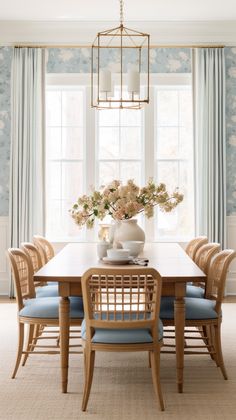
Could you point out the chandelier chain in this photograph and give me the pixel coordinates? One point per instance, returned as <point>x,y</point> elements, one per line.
<point>121,12</point>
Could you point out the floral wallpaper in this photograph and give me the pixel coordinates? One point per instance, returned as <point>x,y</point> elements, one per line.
<point>5,125</point>
<point>230,70</point>
<point>162,60</point>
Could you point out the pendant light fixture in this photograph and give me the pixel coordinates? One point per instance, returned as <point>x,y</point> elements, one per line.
<point>120,68</point>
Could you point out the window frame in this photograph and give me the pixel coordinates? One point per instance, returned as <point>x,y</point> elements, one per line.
<point>90,136</point>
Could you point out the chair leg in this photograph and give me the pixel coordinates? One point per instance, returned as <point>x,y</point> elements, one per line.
<point>211,332</point>
<point>149,359</point>
<point>30,343</point>
<point>155,365</point>
<point>20,347</point>
<point>219,353</point>
<point>89,367</point>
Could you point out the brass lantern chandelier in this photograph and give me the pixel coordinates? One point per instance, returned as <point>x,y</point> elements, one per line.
<point>120,68</point>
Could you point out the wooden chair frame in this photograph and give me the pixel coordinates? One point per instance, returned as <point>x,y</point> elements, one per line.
<point>22,270</point>
<point>34,254</point>
<point>203,258</point>
<point>210,329</point>
<point>194,245</point>
<point>45,248</point>
<point>103,288</point>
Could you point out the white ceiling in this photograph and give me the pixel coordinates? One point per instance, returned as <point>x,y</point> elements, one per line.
<point>108,10</point>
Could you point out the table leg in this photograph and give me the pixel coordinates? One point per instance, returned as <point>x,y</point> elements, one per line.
<point>179,333</point>
<point>64,321</point>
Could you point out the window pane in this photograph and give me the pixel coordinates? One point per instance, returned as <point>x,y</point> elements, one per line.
<point>68,224</point>
<point>167,172</point>
<point>174,147</point>
<point>108,143</point>
<point>186,143</point>
<point>64,159</point>
<point>53,143</point>
<point>167,142</point>
<point>130,143</point>
<point>108,117</point>
<point>130,170</point>
<point>167,107</point>
<point>72,143</point>
<point>130,117</point>
<point>185,107</point>
<point>54,180</point>
<point>72,108</point>
<point>53,108</point>
<point>72,180</point>
<point>107,172</point>
<point>53,219</point>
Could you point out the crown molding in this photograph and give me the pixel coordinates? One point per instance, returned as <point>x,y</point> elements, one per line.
<point>83,33</point>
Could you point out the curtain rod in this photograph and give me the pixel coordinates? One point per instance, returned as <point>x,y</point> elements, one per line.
<point>89,46</point>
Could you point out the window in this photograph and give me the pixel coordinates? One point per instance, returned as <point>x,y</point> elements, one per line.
<point>87,148</point>
<point>64,157</point>
<point>174,157</point>
<point>120,145</point>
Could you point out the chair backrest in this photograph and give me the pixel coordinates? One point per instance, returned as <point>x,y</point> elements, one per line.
<point>22,271</point>
<point>217,276</point>
<point>33,253</point>
<point>205,254</point>
<point>45,248</point>
<point>121,298</point>
<point>194,245</point>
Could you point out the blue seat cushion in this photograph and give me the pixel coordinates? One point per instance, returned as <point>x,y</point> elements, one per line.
<point>194,291</point>
<point>48,307</point>
<point>121,336</point>
<point>47,291</point>
<point>195,308</point>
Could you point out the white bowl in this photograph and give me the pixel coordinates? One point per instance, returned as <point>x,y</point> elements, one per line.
<point>118,254</point>
<point>135,247</point>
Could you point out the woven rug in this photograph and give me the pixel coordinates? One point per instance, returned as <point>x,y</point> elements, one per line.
<point>122,386</point>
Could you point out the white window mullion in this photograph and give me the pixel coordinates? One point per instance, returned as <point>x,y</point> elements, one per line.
<point>149,156</point>
<point>91,151</point>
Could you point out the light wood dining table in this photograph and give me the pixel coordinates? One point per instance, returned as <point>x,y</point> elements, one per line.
<point>169,259</point>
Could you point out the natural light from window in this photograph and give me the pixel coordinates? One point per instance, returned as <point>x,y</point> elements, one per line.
<point>87,148</point>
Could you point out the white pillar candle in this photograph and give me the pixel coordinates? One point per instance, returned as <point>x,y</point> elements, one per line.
<point>133,81</point>
<point>105,81</point>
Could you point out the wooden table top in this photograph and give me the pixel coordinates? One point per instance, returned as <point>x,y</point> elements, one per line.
<point>169,259</point>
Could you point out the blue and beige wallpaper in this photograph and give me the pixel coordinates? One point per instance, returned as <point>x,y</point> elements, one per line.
<point>171,60</point>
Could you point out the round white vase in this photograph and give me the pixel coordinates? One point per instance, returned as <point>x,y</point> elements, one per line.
<point>127,230</point>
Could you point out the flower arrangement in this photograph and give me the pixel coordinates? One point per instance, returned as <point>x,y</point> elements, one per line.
<point>123,202</point>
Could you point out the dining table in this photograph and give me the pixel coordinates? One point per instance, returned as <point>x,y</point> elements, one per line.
<point>169,259</point>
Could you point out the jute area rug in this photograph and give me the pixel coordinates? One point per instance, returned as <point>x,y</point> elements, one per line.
<point>122,386</point>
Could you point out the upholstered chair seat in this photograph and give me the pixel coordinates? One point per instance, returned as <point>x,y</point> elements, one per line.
<point>122,336</point>
<point>47,291</point>
<point>194,291</point>
<point>49,308</point>
<point>195,308</point>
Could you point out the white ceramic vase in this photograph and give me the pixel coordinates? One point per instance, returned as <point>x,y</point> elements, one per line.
<point>127,230</point>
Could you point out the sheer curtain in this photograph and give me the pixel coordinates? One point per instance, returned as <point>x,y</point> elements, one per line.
<point>27,146</point>
<point>209,131</point>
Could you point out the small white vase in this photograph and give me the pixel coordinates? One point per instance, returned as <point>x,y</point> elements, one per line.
<point>127,230</point>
